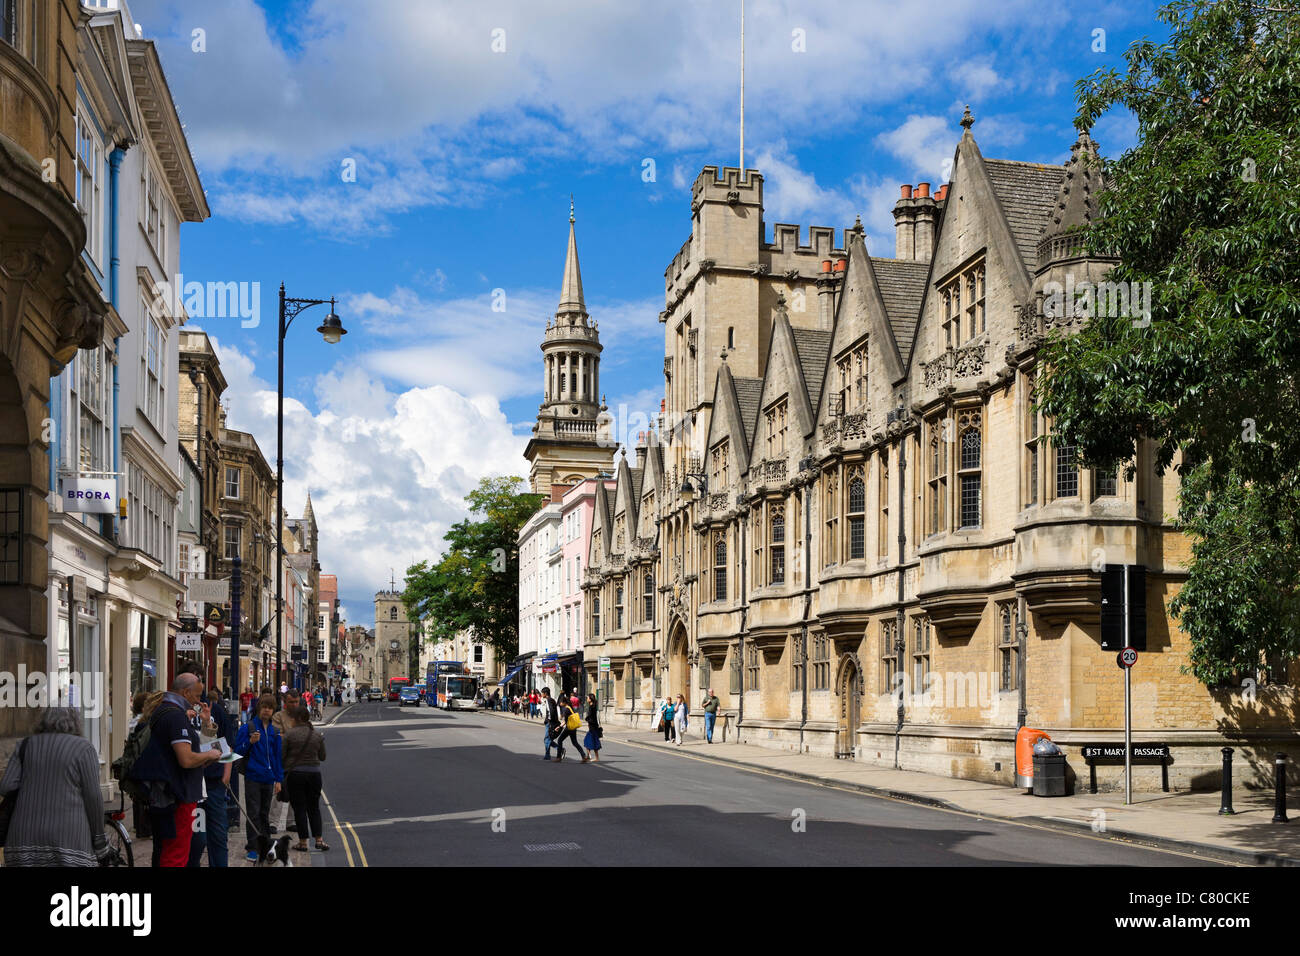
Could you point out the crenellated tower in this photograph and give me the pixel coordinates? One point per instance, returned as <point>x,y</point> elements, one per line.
<point>570,440</point>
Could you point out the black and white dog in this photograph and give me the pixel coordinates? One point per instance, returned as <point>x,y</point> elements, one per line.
<point>272,852</point>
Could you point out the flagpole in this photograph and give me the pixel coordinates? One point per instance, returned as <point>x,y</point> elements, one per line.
<point>742,90</point>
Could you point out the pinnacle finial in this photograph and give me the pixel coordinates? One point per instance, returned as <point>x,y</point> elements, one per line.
<point>967,121</point>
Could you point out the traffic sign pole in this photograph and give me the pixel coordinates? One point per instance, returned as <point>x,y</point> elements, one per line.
<point>1128,705</point>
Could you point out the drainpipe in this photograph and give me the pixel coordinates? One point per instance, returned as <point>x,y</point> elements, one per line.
<point>807,606</point>
<point>899,642</point>
<point>1022,638</point>
<point>744,615</point>
<point>114,261</point>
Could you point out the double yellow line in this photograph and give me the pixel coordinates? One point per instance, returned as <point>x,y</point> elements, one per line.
<point>343,837</point>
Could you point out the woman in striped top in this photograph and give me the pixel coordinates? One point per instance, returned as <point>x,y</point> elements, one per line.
<point>59,817</point>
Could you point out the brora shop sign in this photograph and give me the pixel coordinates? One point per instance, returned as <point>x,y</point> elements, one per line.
<point>90,495</point>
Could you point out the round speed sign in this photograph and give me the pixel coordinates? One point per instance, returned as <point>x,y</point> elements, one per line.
<point>1127,657</point>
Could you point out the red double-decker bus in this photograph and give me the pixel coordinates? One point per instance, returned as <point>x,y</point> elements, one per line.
<point>395,685</point>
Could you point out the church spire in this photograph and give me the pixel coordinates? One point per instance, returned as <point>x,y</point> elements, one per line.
<point>571,300</point>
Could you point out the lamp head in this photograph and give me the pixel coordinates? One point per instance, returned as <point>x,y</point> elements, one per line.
<point>332,328</point>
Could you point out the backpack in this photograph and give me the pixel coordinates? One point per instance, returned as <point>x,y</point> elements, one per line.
<point>123,765</point>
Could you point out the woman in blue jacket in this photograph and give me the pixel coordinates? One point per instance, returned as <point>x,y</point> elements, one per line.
<point>259,742</point>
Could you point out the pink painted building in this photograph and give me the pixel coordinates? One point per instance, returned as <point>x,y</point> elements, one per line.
<point>577,509</point>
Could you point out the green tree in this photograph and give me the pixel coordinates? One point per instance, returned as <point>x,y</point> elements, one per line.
<point>475,584</point>
<point>1206,208</point>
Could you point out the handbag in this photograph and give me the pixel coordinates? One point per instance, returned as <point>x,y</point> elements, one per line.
<point>10,800</point>
<point>574,722</point>
<point>600,732</point>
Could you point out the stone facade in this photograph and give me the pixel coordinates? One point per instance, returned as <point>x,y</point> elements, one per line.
<point>850,523</point>
<point>50,307</point>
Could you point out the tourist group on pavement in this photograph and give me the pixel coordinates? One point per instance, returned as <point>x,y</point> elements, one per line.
<point>184,754</point>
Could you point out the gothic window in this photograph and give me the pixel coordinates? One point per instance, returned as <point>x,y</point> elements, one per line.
<point>829,545</point>
<point>852,370</point>
<point>760,543</point>
<point>969,468</point>
<point>796,662</point>
<point>921,633</point>
<point>883,542</point>
<point>1105,483</point>
<point>821,662</point>
<point>963,306</point>
<point>776,429</point>
<point>777,526</point>
<point>648,596</point>
<point>734,684</point>
<point>618,606</point>
<point>392,614</point>
<point>975,303</point>
<point>751,667</point>
<point>1067,471</point>
<point>857,518</point>
<point>1031,440</point>
<point>720,566</point>
<point>844,396</point>
<point>937,485</point>
<point>719,478</point>
<point>9,22</point>
<point>595,615</point>
<point>1008,645</point>
<point>888,655</point>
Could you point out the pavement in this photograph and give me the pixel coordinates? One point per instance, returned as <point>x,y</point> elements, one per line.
<point>142,847</point>
<point>422,787</point>
<point>1184,821</point>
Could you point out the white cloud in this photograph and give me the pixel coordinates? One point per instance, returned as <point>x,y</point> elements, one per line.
<point>387,474</point>
<point>925,143</point>
<point>415,93</point>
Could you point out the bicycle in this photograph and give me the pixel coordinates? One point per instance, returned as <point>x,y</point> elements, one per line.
<point>119,842</point>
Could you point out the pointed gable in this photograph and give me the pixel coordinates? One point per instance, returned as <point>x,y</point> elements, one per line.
<point>602,527</point>
<point>626,501</point>
<point>881,300</point>
<point>727,421</point>
<point>784,375</point>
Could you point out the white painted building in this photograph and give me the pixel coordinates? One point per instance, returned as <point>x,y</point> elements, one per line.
<point>113,409</point>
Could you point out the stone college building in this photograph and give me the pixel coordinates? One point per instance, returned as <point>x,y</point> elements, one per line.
<point>852,524</point>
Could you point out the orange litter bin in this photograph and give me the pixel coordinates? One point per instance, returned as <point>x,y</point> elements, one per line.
<point>1026,737</point>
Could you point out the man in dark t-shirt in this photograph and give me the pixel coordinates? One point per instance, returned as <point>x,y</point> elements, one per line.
<point>173,728</point>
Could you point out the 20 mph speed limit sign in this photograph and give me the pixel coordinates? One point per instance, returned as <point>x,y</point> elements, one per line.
<point>1127,657</point>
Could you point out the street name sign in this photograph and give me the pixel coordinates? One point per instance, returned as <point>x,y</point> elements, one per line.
<point>209,590</point>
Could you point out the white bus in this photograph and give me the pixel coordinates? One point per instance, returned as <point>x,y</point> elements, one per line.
<point>457,692</point>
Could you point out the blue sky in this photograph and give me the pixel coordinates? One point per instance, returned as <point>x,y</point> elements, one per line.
<point>465,157</point>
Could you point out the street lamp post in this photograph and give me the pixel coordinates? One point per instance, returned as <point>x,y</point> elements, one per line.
<point>331,330</point>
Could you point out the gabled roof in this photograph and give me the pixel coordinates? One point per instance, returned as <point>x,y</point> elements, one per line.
<point>652,476</point>
<point>902,288</point>
<point>784,344</point>
<point>748,392</point>
<point>814,346</point>
<point>1028,194</point>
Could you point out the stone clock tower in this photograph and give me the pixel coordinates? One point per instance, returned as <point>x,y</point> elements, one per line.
<point>572,439</point>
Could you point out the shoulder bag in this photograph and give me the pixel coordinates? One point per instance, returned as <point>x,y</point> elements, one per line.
<point>10,800</point>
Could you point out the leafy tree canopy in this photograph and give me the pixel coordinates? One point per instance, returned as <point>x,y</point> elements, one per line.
<point>1205,208</point>
<point>475,584</point>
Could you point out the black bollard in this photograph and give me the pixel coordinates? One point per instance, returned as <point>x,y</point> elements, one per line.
<point>1279,803</point>
<point>1225,804</point>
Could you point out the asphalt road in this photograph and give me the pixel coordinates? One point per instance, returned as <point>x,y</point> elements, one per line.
<point>420,787</point>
